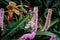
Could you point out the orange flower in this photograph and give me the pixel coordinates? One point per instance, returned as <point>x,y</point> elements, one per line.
<point>10,15</point>
<point>12,8</point>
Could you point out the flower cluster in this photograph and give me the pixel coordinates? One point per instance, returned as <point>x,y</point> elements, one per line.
<point>34,24</point>
<point>53,37</point>
<point>1,17</point>
<point>48,20</point>
<point>12,8</point>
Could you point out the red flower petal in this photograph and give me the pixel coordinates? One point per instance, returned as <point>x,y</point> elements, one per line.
<point>22,15</point>
<point>10,15</point>
<point>27,6</point>
<point>10,18</point>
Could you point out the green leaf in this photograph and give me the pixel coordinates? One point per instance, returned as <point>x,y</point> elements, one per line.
<point>12,31</point>
<point>16,18</point>
<point>55,5</point>
<point>45,12</point>
<point>8,1</point>
<point>53,22</point>
<point>20,18</point>
<point>44,33</point>
<point>59,12</point>
<point>57,38</point>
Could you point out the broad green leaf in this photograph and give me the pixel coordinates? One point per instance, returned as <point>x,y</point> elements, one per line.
<point>44,33</point>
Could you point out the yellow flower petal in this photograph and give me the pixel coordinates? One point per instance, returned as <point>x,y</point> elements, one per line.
<point>17,11</point>
<point>40,27</point>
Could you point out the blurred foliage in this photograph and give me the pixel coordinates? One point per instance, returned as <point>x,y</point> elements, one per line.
<point>15,29</point>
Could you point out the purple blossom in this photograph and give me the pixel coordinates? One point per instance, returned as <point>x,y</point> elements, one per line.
<point>53,37</point>
<point>1,17</point>
<point>28,35</point>
<point>35,11</point>
<point>34,28</point>
<point>48,20</point>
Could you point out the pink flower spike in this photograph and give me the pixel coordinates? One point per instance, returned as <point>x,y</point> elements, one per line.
<point>53,37</point>
<point>34,28</point>
<point>1,17</point>
<point>48,20</point>
<point>26,36</point>
<point>35,11</point>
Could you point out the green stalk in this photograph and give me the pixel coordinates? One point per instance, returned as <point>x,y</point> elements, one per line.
<point>39,32</point>
<point>24,10</point>
<point>45,12</point>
